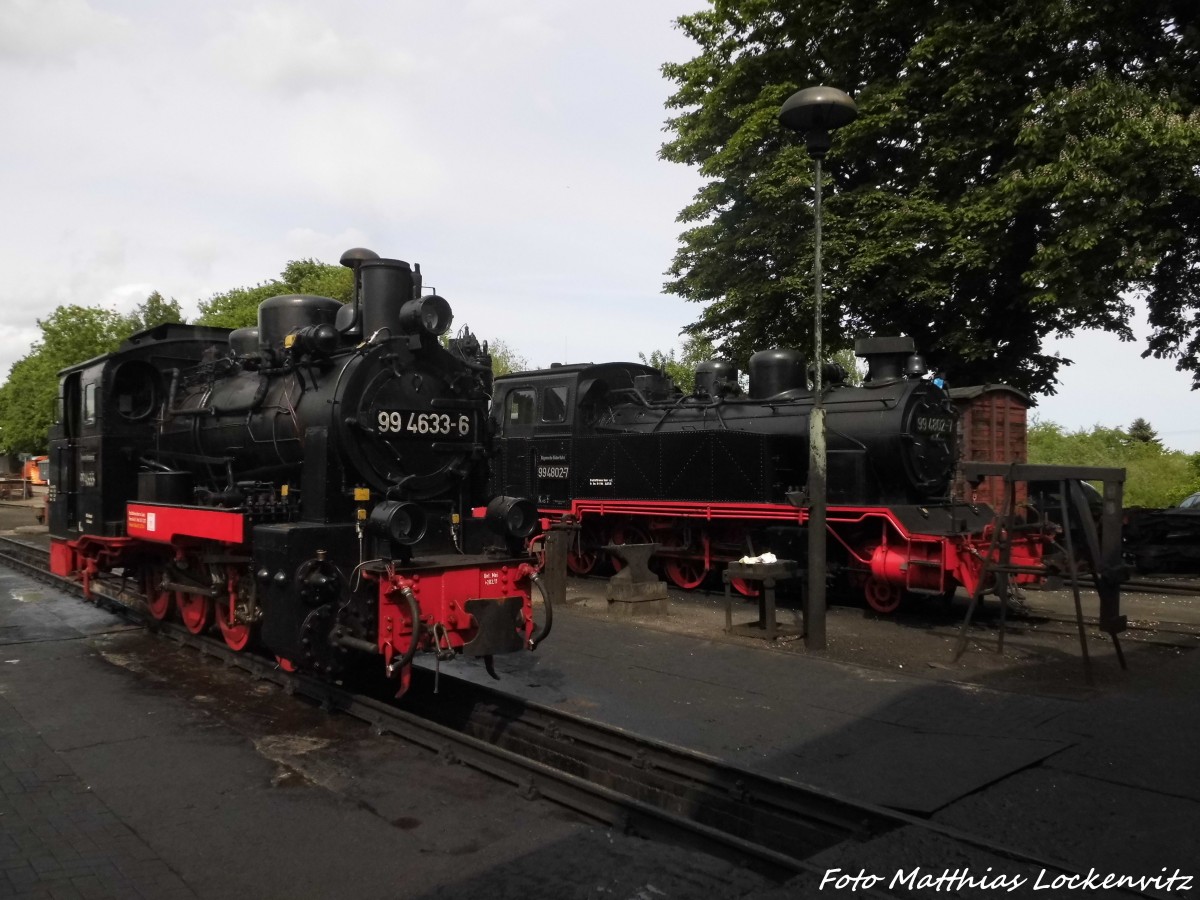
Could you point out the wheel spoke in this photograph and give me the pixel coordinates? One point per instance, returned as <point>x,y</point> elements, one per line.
<point>684,573</point>
<point>583,556</point>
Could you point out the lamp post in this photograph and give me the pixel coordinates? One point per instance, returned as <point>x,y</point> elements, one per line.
<point>814,112</point>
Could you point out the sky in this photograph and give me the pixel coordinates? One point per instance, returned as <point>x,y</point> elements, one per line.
<point>508,146</point>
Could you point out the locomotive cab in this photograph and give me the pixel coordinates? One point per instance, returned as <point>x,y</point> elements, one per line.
<point>108,409</point>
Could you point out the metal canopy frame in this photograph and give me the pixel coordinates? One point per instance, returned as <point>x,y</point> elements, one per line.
<point>1102,550</point>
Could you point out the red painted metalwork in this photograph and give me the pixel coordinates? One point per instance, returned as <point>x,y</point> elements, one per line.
<point>916,565</point>
<point>89,555</point>
<point>774,512</point>
<point>744,587</point>
<point>158,601</point>
<point>882,596</point>
<point>896,559</point>
<point>441,593</point>
<point>62,559</point>
<point>236,634</point>
<point>582,556</point>
<point>196,612</point>
<point>165,524</point>
<point>684,573</point>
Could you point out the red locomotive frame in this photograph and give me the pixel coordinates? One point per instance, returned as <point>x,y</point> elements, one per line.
<point>440,594</point>
<point>884,557</point>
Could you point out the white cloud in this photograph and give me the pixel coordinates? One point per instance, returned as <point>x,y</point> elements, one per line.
<point>509,146</point>
<point>367,158</point>
<point>504,23</point>
<point>14,344</point>
<point>285,48</point>
<point>310,243</point>
<point>54,32</point>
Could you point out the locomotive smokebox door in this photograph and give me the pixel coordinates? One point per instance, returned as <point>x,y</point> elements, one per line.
<point>498,621</point>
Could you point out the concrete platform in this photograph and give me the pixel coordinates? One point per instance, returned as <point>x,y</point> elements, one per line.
<point>241,794</point>
<point>1101,776</point>
<point>130,768</point>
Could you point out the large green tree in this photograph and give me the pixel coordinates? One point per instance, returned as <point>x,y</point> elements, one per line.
<point>680,365</point>
<point>505,359</point>
<point>70,335</point>
<point>1017,170</point>
<point>154,310</point>
<point>238,308</point>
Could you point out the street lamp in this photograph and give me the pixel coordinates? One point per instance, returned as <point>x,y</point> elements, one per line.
<point>814,112</point>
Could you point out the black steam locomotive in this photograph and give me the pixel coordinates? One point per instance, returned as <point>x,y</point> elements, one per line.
<point>720,474</point>
<point>320,480</point>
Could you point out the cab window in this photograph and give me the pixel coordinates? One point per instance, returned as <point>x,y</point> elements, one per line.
<point>89,403</point>
<point>70,405</point>
<point>554,404</point>
<point>522,407</point>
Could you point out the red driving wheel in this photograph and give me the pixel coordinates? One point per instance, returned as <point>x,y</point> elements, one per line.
<point>626,534</point>
<point>686,572</point>
<point>158,601</point>
<point>744,587</point>
<point>583,556</point>
<point>236,634</point>
<point>883,596</point>
<point>196,612</point>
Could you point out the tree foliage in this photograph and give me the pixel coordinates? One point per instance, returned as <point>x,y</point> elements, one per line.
<point>238,308</point>
<point>1017,171</point>
<point>680,365</point>
<point>70,335</point>
<point>154,310</point>
<point>506,360</point>
<point>1155,477</point>
<point>1141,430</point>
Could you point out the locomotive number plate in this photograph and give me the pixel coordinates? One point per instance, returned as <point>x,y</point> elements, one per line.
<point>410,423</point>
<point>935,424</point>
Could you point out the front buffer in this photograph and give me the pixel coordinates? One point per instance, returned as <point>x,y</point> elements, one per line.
<point>461,605</point>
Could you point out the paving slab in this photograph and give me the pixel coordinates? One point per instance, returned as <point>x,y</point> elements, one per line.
<point>132,768</point>
<point>1098,776</point>
<point>848,729</point>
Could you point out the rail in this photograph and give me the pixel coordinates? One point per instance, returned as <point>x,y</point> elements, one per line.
<point>629,782</point>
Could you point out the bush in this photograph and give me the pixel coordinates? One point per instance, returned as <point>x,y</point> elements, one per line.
<point>1155,477</point>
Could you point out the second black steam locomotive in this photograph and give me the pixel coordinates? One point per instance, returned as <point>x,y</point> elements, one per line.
<point>320,480</point>
<point>718,474</point>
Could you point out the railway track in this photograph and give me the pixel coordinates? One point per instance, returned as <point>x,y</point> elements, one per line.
<point>626,781</point>
<point>1182,587</point>
<point>616,777</point>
